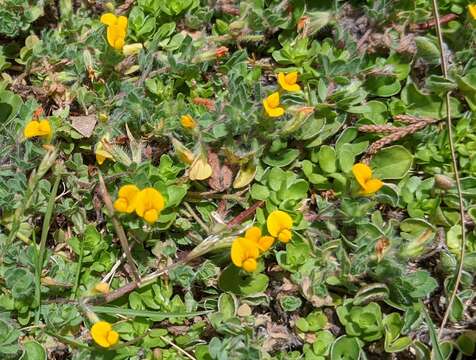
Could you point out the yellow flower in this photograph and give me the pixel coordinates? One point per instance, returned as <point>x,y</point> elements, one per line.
<point>244,253</point>
<point>279,225</point>
<point>363,175</point>
<point>472,10</point>
<point>116,29</point>
<point>101,153</point>
<point>37,128</point>
<point>102,288</point>
<point>103,334</point>
<point>271,105</point>
<point>263,242</point>
<point>149,204</point>
<point>127,198</point>
<point>288,81</point>
<point>188,122</point>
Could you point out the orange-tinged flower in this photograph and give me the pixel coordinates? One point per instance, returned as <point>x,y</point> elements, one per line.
<point>244,253</point>
<point>272,106</point>
<point>127,197</point>
<point>103,334</point>
<point>37,128</point>
<point>149,203</point>
<point>279,225</point>
<point>116,29</point>
<point>102,287</point>
<point>472,10</point>
<point>288,81</point>
<point>221,51</point>
<point>263,242</point>
<point>363,175</point>
<point>188,122</point>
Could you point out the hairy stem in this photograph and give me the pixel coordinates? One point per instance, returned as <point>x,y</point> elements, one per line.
<point>449,125</point>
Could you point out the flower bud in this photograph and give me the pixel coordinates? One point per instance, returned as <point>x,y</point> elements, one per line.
<point>132,49</point>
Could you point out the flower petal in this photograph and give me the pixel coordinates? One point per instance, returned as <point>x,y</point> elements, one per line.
<point>273,100</point>
<point>253,233</point>
<point>291,78</point>
<point>282,79</point>
<point>472,10</point>
<point>108,19</point>
<point>99,332</point>
<point>277,221</point>
<point>44,127</point>
<point>151,216</point>
<point>362,173</point>
<point>111,35</point>
<point>265,242</point>
<point>237,252</point>
<point>31,129</point>
<point>112,337</point>
<point>372,186</point>
<point>250,265</point>
<point>122,22</point>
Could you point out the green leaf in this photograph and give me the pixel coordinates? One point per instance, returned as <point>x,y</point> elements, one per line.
<point>283,158</point>
<point>116,311</point>
<point>327,159</point>
<point>33,351</point>
<point>345,348</point>
<point>392,162</point>
<point>384,86</point>
<point>259,192</point>
<point>237,281</point>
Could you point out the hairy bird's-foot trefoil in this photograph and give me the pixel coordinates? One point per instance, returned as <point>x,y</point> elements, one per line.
<point>363,175</point>
<point>272,106</point>
<point>38,128</point>
<point>279,225</point>
<point>149,203</point>
<point>103,335</point>
<point>289,81</point>
<point>263,242</point>
<point>116,29</point>
<point>127,197</point>
<point>102,288</point>
<point>244,253</point>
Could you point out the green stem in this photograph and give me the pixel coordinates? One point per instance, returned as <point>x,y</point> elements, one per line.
<point>449,125</point>
<point>44,235</point>
<point>78,271</point>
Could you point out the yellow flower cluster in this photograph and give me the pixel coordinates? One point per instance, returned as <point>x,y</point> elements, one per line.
<point>147,203</point>
<point>246,250</point>
<point>363,174</point>
<point>36,128</point>
<point>287,82</point>
<point>103,335</point>
<point>116,29</point>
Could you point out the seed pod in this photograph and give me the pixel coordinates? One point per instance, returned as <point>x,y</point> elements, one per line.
<point>444,182</point>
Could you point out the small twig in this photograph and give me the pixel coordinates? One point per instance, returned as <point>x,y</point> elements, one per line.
<point>449,125</point>
<point>196,217</point>
<point>363,39</point>
<point>119,229</point>
<point>431,23</point>
<point>176,347</point>
<point>245,214</point>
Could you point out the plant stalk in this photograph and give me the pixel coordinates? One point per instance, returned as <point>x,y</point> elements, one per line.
<point>449,125</point>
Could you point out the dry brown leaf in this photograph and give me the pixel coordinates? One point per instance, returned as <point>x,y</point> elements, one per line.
<point>221,176</point>
<point>84,124</point>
